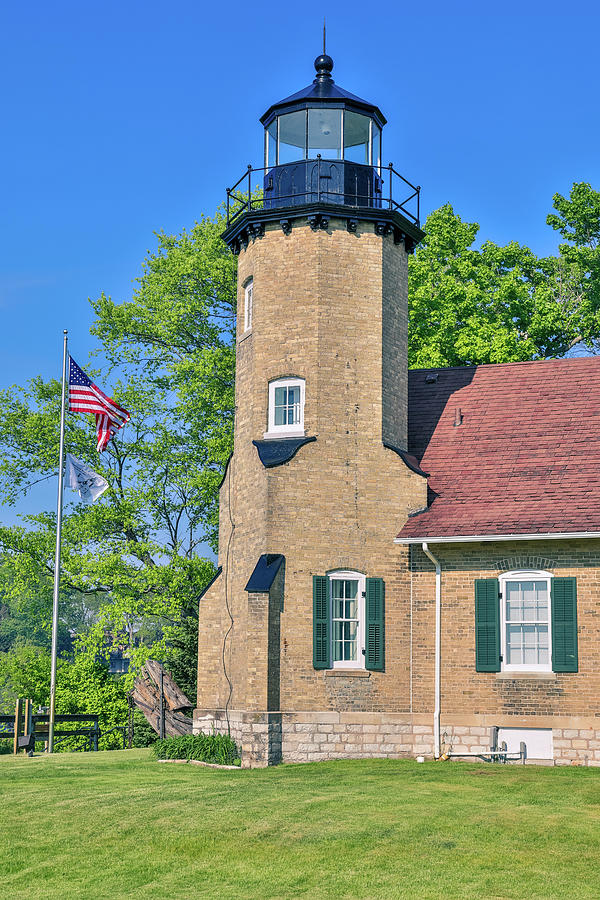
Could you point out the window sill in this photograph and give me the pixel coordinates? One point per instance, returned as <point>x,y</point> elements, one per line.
<point>245,335</point>
<point>512,676</point>
<point>347,673</point>
<point>280,435</point>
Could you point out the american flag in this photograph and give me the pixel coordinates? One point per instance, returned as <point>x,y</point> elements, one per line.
<point>86,397</point>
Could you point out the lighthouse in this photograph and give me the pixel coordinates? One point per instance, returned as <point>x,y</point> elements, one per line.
<point>307,621</point>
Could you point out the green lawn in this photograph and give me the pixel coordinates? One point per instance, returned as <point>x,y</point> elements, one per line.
<point>118,824</point>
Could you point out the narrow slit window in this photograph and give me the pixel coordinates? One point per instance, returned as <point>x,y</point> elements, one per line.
<point>248,299</point>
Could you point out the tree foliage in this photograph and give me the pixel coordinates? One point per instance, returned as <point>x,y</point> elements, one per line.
<point>493,304</point>
<point>137,552</point>
<point>133,563</point>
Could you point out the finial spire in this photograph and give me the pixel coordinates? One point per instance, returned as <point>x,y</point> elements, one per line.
<point>324,63</point>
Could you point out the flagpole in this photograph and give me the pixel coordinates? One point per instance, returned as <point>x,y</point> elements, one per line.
<point>59,506</point>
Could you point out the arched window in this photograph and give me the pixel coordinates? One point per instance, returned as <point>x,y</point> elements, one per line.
<point>347,593</point>
<point>286,408</point>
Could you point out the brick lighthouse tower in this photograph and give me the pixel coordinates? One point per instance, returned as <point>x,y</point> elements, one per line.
<point>306,620</point>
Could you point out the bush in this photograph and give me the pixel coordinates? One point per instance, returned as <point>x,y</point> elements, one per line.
<point>144,734</point>
<point>212,748</point>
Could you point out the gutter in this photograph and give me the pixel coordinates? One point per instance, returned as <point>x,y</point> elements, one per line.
<point>438,643</point>
<point>478,538</point>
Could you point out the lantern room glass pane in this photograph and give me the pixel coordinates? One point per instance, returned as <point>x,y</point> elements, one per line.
<point>356,137</point>
<point>292,137</point>
<point>325,133</point>
<point>376,155</point>
<point>271,145</point>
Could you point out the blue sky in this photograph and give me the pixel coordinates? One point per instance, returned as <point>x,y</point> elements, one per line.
<point>120,119</point>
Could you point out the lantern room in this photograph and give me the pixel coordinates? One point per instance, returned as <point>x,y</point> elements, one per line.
<point>322,151</point>
<point>323,120</point>
<point>323,141</point>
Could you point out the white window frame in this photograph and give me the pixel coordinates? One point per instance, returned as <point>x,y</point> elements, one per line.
<point>524,575</point>
<point>348,575</point>
<point>279,431</point>
<point>248,302</point>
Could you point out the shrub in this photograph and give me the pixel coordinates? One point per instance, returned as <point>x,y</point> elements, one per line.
<point>143,733</point>
<point>212,748</point>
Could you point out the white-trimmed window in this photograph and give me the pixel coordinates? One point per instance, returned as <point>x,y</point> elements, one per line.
<point>347,597</point>
<point>286,408</point>
<point>525,621</point>
<point>248,292</point>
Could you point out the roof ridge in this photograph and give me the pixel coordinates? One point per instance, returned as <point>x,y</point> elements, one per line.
<point>524,362</point>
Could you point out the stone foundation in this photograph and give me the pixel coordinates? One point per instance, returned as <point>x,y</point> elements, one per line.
<point>269,738</point>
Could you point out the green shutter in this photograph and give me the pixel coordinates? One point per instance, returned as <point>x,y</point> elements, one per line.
<point>564,625</point>
<point>375,636</point>
<point>321,623</point>
<point>487,625</point>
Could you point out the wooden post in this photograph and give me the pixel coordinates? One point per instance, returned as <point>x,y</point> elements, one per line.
<point>28,717</point>
<point>161,732</point>
<point>18,711</point>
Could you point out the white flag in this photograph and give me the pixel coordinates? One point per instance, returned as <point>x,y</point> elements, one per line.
<point>88,484</point>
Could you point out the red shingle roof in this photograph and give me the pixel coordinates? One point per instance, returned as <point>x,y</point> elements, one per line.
<point>524,460</point>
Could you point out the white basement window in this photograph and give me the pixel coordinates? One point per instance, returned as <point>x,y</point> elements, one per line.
<point>286,408</point>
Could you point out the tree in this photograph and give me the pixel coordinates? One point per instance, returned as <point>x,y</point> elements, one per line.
<point>135,557</point>
<point>494,304</point>
<point>578,221</point>
<point>83,685</point>
<point>170,362</point>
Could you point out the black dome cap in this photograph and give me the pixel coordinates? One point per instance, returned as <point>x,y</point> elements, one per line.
<point>323,90</point>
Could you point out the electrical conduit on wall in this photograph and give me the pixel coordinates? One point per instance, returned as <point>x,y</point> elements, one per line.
<point>438,635</point>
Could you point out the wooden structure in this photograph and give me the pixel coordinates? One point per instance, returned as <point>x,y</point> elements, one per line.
<point>25,727</point>
<point>161,701</point>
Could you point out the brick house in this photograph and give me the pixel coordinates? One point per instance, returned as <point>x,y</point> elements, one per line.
<point>408,561</point>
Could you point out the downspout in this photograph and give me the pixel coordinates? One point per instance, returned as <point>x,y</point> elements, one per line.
<point>438,644</point>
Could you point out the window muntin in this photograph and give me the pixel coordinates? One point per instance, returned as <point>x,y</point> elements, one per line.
<point>248,300</point>
<point>325,133</point>
<point>344,616</point>
<point>525,621</point>
<point>287,405</point>
<point>346,590</point>
<point>286,408</point>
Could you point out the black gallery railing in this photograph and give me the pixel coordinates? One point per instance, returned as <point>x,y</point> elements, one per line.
<point>320,180</point>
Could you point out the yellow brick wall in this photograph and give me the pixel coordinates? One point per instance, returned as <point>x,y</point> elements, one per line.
<point>330,307</point>
<point>467,692</point>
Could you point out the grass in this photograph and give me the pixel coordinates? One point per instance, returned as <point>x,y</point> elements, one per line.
<point>119,824</point>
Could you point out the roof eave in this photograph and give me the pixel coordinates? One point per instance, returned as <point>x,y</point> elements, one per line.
<point>289,105</point>
<point>479,538</point>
